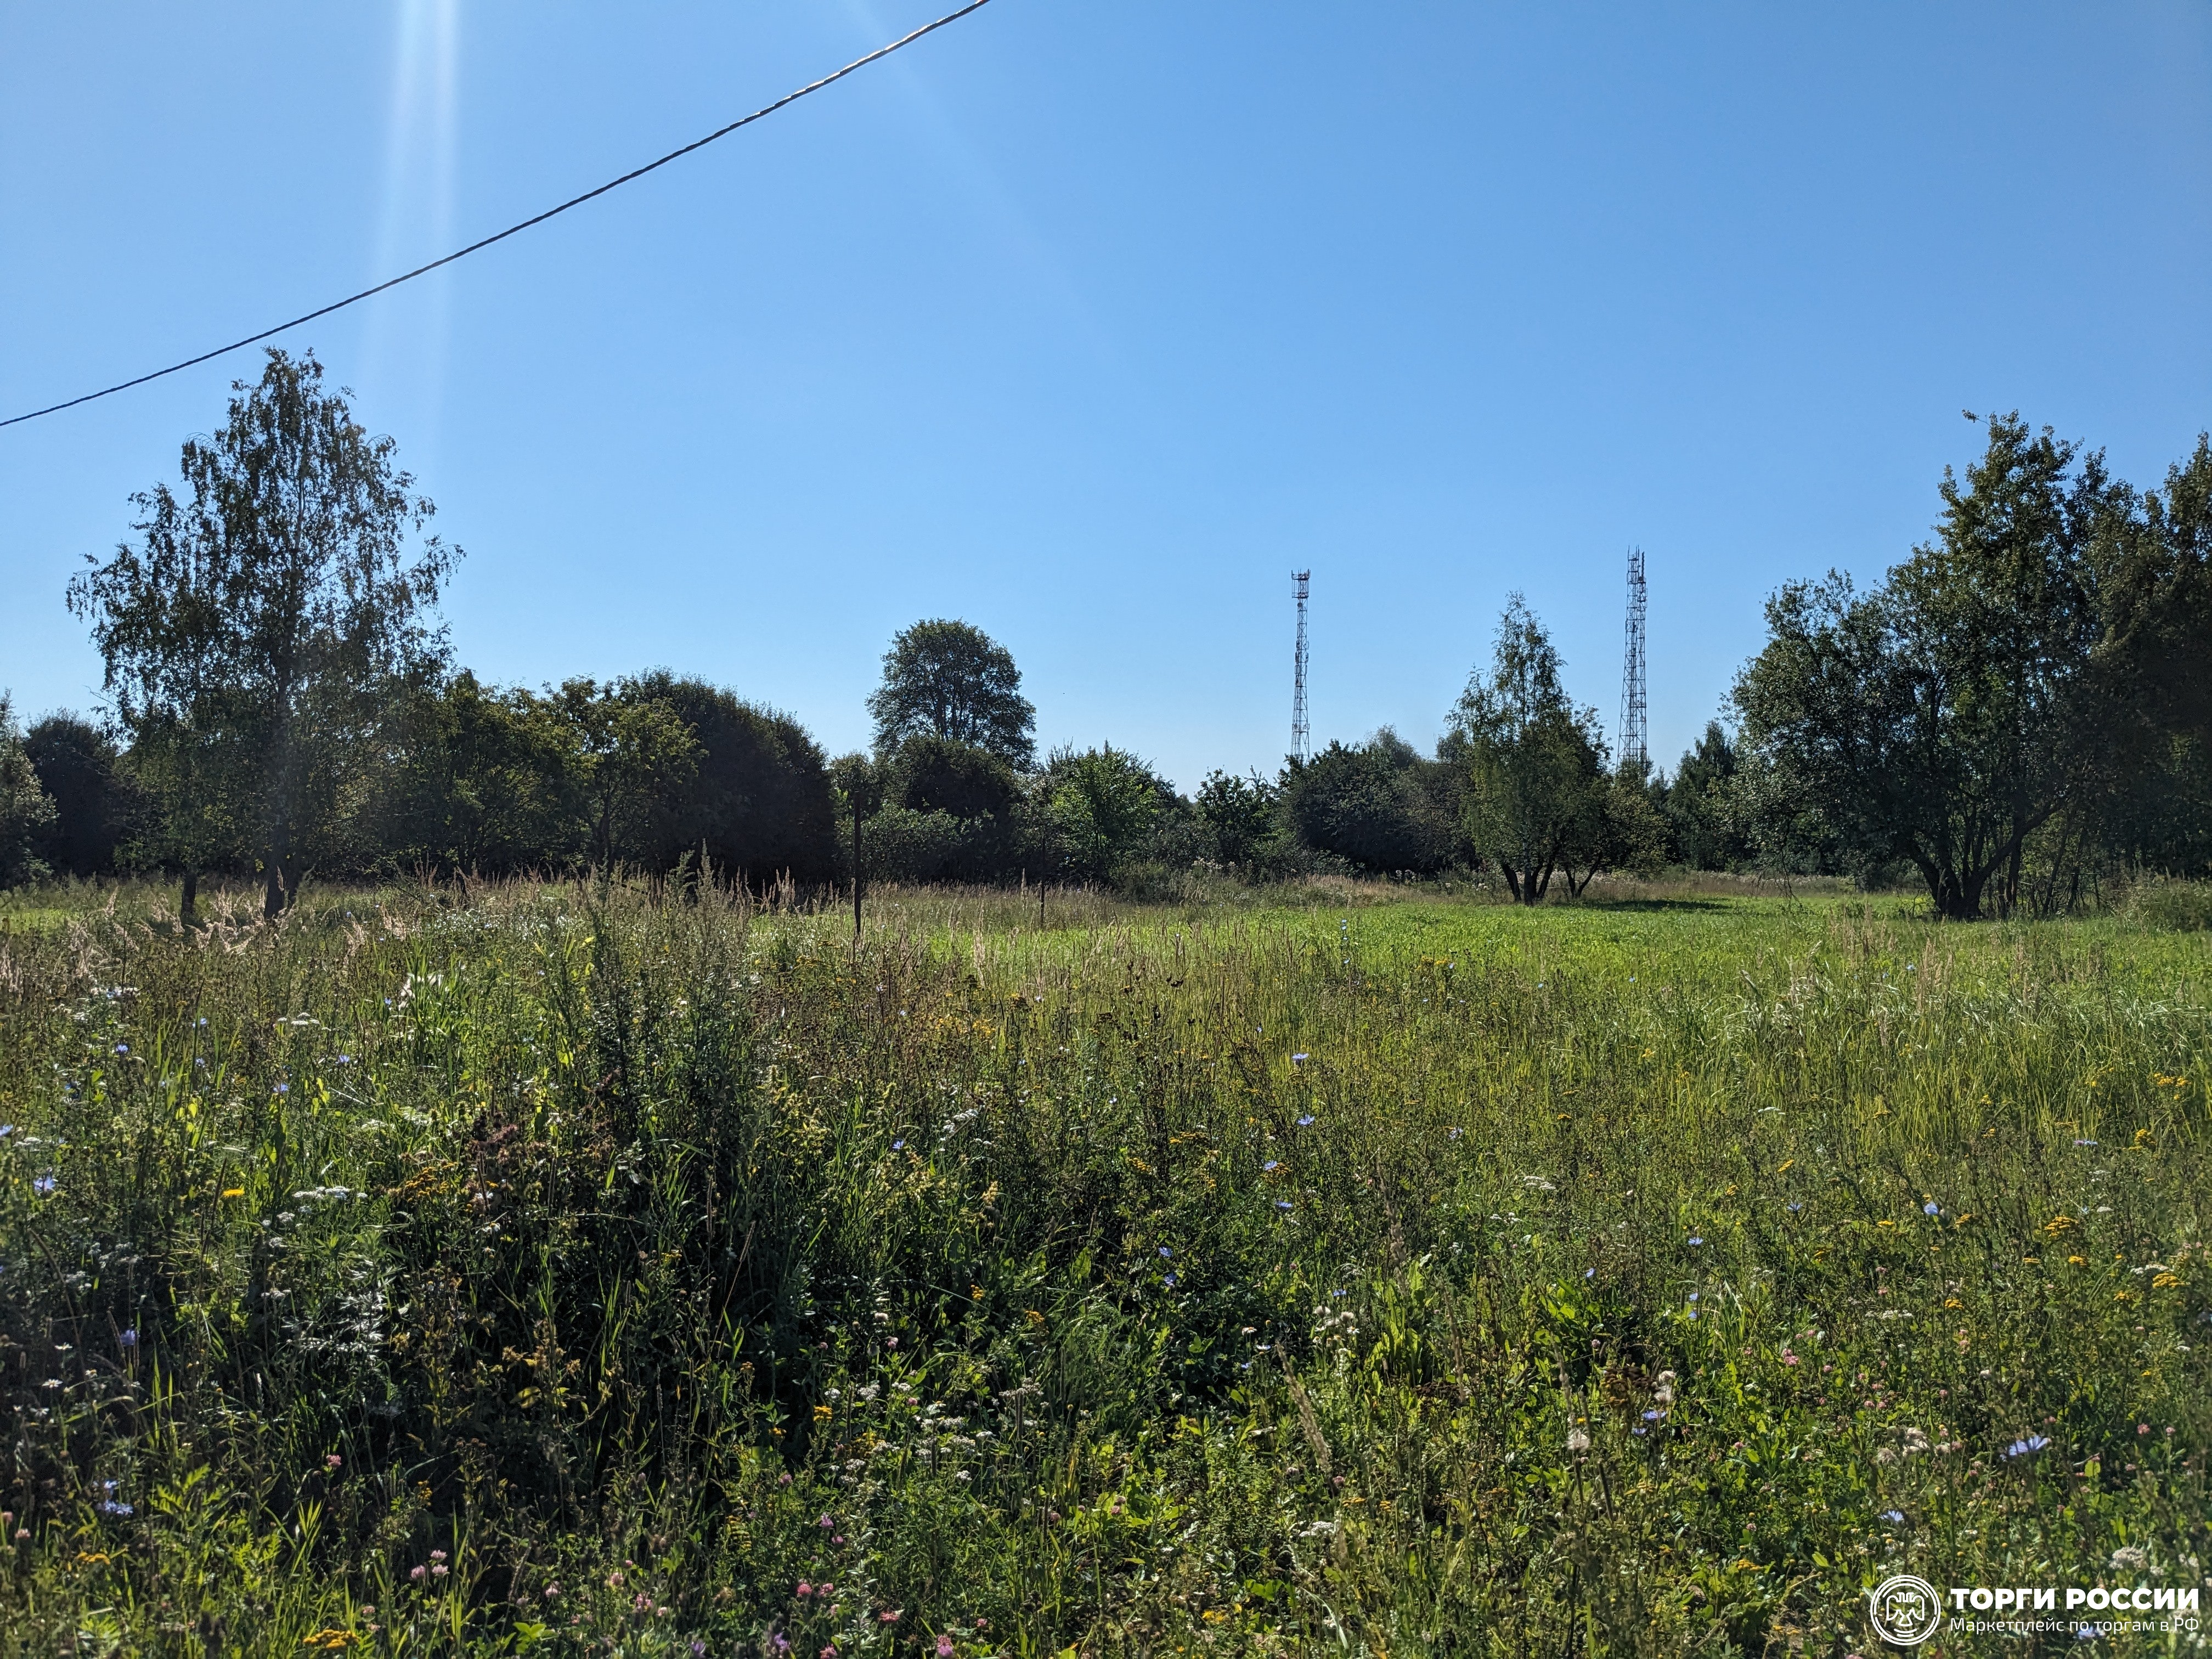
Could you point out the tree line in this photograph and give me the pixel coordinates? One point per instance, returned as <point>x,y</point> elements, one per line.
<point>2020,708</point>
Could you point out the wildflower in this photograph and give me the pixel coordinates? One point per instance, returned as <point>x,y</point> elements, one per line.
<point>437,1555</point>
<point>1788,1358</point>
<point>830,1652</point>
<point>43,1185</point>
<point>437,1569</point>
<point>1172,1281</point>
<point>111,1507</point>
<point>806,1588</point>
<point>1298,1059</point>
<point>332,1459</point>
<point>1455,1134</point>
<point>2026,1447</point>
<point>1271,1166</point>
<point>122,1048</point>
<point>1694,1242</point>
<point>1694,1294</point>
<point>1305,1121</point>
<point>890,1618</point>
<point>6,1129</point>
<point>2142,1428</point>
<point>944,1647</point>
<point>1931,1208</point>
<point>614,1580</point>
<point>898,1145</point>
<point>416,1573</point>
<point>1579,1440</point>
<point>2085,1143</point>
<point>1653,1416</point>
<point>1892,1514</point>
<point>1590,1272</point>
<point>127,1337</point>
<point>1165,1251</point>
<point>698,1650</point>
<point>1282,1204</point>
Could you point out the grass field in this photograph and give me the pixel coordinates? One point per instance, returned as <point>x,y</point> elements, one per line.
<point>1363,1274</point>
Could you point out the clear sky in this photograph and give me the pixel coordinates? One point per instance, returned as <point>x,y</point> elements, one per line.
<point>1089,322</point>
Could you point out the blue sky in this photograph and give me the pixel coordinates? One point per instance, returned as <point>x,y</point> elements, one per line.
<point>1090,322</point>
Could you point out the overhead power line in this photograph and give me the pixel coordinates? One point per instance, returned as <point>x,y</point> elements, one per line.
<point>552,212</point>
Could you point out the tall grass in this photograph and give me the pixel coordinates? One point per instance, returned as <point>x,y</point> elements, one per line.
<point>601,1277</point>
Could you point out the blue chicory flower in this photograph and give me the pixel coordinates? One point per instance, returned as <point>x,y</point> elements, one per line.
<point>122,1048</point>
<point>1282,1203</point>
<point>1296,1059</point>
<point>1892,1514</point>
<point>1931,1209</point>
<point>43,1185</point>
<point>1172,1281</point>
<point>898,1145</point>
<point>1694,1242</point>
<point>1306,1120</point>
<point>2028,1447</point>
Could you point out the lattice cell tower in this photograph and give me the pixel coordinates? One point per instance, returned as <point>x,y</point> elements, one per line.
<point>1301,733</point>
<point>1635,743</point>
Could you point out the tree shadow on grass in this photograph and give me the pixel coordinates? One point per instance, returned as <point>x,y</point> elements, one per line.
<point>1662,906</point>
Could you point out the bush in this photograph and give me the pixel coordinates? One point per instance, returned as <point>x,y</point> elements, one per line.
<point>2173,907</point>
<point>1377,805</point>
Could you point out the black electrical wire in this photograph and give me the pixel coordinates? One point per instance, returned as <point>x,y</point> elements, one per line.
<point>539,219</point>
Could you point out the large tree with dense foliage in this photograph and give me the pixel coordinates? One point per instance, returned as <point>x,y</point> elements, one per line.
<point>26,812</point>
<point>97,801</point>
<point>1534,763</point>
<point>2155,663</point>
<point>949,680</point>
<point>1376,804</point>
<point>1945,717</point>
<point>755,802</point>
<point>1101,805</point>
<point>633,754</point>
<point>1700,806</point>
<point>492,781</point>
<point>263,616</point>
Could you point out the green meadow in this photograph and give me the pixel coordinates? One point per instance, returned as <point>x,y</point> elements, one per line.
<point>1361,1271</point>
